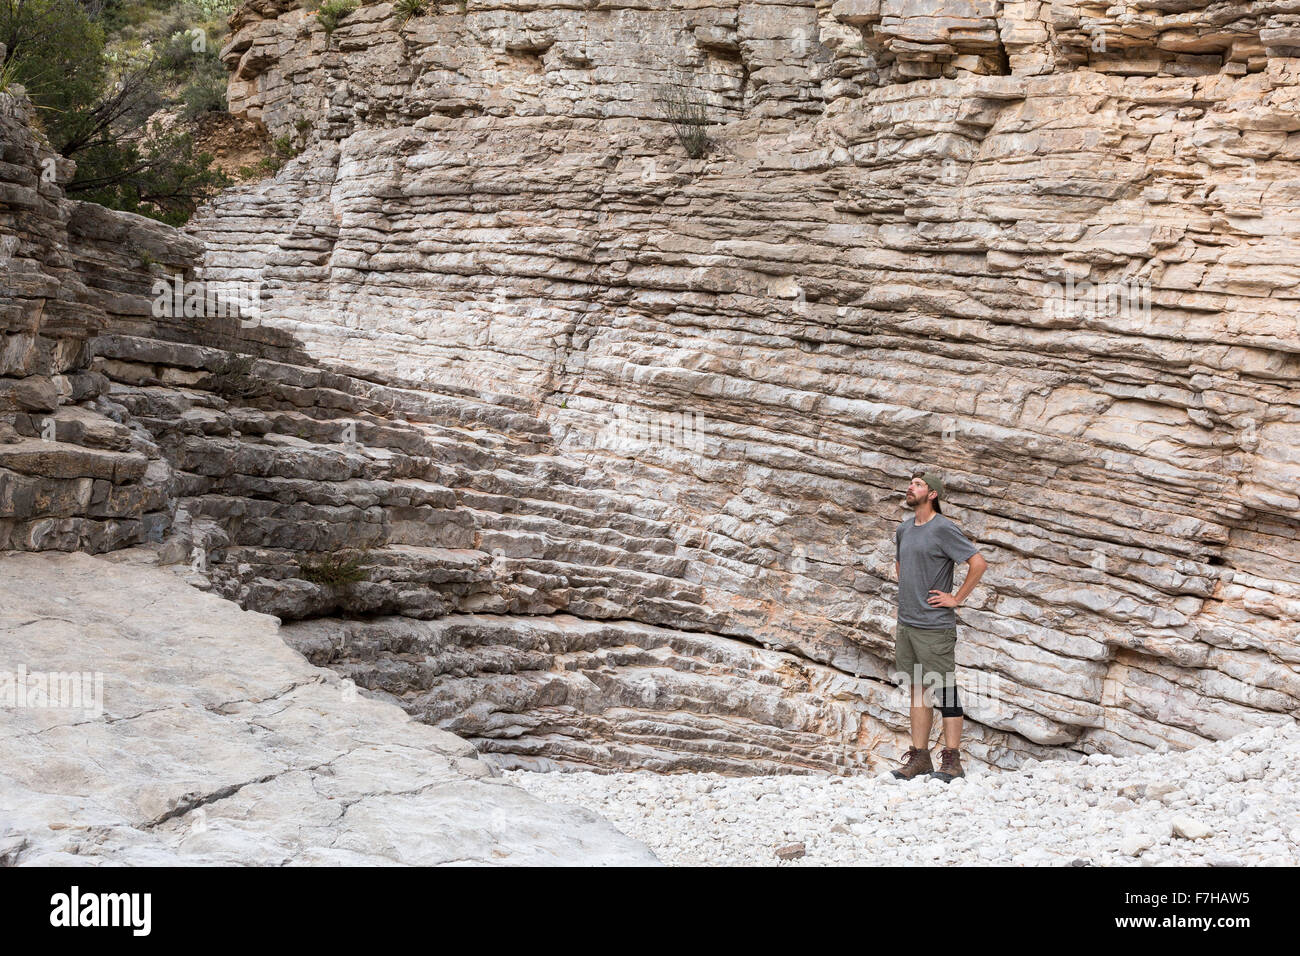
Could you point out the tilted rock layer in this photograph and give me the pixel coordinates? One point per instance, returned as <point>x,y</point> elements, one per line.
<point>891,255</point>
<point>623,434</point>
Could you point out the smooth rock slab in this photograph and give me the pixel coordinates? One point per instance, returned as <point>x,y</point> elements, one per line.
<point>203,739</point>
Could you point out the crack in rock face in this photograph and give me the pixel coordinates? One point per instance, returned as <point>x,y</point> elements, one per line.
<point>589,446</point>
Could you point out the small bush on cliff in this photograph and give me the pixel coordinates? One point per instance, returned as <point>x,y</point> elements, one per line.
<point>405,9</point>
<point>682,105</point>
<point>282,150</point>
<point>147,261</point>
<point>233,378</point>
<point>206,90</point>
<point>334,570</point>
<point>332,12</point>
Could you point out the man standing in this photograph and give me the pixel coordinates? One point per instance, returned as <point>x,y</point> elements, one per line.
<point>925,641</point>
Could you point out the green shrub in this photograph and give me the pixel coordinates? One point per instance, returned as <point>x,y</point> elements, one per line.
<point>334,570</point>
<point>233,378</point>
<point>682,105</point>
<point>56,51</point>
<point>158,174</point>
<point>147,261</point>
<point>263,167</point>
<point>215,9</point>
<point>332,12</point>
<point>405,9</point>
<point>95,101</point>
<point>206,91</point>
<point>282,150</point>
<point>174,52</point>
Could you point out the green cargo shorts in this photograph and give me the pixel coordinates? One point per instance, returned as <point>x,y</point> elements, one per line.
<point>925,656</point>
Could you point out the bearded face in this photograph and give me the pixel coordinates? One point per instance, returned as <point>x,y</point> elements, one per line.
<point>917,492</point>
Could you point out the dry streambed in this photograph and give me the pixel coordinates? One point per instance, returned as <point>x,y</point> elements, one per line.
<point>1227,803</point>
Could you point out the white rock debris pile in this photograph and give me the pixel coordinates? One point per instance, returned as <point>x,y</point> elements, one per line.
<point>1228,803</point>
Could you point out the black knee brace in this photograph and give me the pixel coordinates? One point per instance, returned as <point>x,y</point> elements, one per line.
<point>948,704</point>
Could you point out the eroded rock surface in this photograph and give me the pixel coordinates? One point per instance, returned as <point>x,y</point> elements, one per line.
<point>1046,247</point>
<point>215,743</point>
<point>620,436</point>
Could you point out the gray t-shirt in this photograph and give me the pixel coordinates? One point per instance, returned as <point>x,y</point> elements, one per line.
<point>925,560</point>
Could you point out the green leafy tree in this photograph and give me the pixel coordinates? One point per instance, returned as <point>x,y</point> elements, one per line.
<point>157,174</point>
<point>56,51</point>
<point>97,112</point>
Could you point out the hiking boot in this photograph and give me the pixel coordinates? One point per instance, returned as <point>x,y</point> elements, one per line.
<point>917,763</point>
<point>949,765</point>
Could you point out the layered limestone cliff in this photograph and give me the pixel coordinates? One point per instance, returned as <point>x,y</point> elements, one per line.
<point>146,722</point>
<point>1047,247</point>
<point>620,436</point>
<point>72,475</point>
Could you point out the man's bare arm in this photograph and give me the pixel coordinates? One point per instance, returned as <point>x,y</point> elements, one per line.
<point>976,566</point>
<point>975,569</point>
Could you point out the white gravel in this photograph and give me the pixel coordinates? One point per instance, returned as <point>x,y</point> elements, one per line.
<point>1234,802</point>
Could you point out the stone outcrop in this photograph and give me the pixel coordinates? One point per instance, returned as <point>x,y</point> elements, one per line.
<point>1046,247</point>
<point>549,692</point>
<point>70,477</point>
<point>225,747</point>
<point>617,437</point>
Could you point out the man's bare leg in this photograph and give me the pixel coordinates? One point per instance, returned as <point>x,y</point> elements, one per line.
<point>951,733</point>
<point>921,717</point>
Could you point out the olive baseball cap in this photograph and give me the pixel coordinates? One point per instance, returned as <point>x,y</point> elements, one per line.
<point>935,481</point>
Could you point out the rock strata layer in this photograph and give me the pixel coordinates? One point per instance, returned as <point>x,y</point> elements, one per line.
<point>613,440</point>
<point>1046,248</point>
